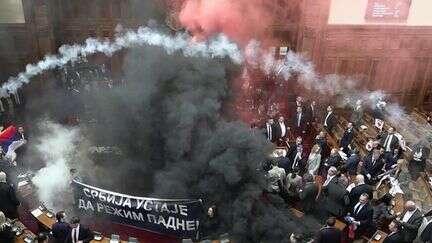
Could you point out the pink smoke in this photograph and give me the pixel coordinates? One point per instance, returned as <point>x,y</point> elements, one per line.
<point>240,20</point>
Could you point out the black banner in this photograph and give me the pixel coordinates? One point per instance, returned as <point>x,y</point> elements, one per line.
<point>179,218</point>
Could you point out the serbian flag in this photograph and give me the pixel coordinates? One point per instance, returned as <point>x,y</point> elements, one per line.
<point>10,140</point>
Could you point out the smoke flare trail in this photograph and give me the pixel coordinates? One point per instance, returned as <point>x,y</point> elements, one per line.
<point>219,47</point>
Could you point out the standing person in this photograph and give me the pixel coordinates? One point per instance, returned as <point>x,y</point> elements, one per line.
<point>330,120</point>
<point>347,138</point>
<point>211,224</point>
<point>8,200</point>
<point>269,130</point>
<point>79,233</point>
<point>329,233</point>
<point>362,214</point>
<point>374,164</point>
<point>60,229</point>
<point>353,161</point>
<point>299,122</point>
<point>417,164</point>
<point>410,220</point>
<point>382,212</point>
<point>308,194</point>
<point>395,235</point>
<point>281,130</point>
<point>6,234</point>
<point>389,141</point>
<point>314,160</point>
<point>312,112</point>
<point>357,114</point>
<point>359,189</point>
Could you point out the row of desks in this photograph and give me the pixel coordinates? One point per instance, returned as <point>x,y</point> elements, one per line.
<point>47,222</point>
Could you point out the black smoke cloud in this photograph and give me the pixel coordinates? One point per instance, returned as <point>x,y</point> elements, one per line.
<point>176,141</point>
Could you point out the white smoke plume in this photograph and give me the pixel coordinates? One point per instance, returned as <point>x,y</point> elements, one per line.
<point>55,146</point>
<point>219,46</point>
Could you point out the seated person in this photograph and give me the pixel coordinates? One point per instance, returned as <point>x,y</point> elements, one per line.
<point>395,235</point>
<point>6,234</point>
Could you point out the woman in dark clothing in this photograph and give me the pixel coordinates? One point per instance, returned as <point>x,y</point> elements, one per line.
<point>382,215</point>
<point>6,234</point>
<point>211,224</point>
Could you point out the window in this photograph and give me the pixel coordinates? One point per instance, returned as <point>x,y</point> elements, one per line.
<point>11,12</point>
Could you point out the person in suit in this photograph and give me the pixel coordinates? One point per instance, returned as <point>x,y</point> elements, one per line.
<point>308,194</point>
<point>382,212</point>
<point>389,141</point>
<point>347,138</point>
<point>299,121</point>
<point>362,214</point>
<point>79,233</point>
<point>395,235</point>
<point>410,220</point>
<point>390,161</point>
<point>6,234</point>
<point>329,233</point>
<point>293,149</point>
<point>420,153</point>
<point>299,101</point>
<point>283,161</point>
<point>312,112</point>
<point>281,130</point>
<point>359,189</point>
<point>353,161</point>
<point>334,159</point>
<point>269,130</point>
<point>321,140</point>
<point>357,114</point>
<point>60,229</point>
<point>330,120</point>
<point>314,160</point>
<point>300,160</point>
<point>9,202</point>
<point>334,192</point>
<point>374,164</point>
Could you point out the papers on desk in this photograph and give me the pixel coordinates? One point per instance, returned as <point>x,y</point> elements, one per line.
<point>37,212</point>
<point>22,183</point>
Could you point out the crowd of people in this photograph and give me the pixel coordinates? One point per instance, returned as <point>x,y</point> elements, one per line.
<point>337,181</point>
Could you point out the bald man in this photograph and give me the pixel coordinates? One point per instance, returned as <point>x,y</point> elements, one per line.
<point>410,221</point>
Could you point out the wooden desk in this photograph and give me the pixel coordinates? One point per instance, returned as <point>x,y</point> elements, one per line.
<point>340,225</point>
<point>48,222</point>
<point>379,232</point>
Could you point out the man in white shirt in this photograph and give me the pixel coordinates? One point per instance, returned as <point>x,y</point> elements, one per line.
<point>330,120</point>
<point>281,129</point>
<point>269,130</point>
<point>362,215</point>
<point>410,221</point>
<point>299,122</point>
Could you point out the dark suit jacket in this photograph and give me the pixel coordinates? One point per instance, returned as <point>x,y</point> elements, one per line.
<point>328,235</point>
<point>311,115</point>
<point>374,169</point>
<point>331,121</point>
<point>7,236</point>
<point>307,196</point>
<point>347,138</point>
<point>303,121</point>
<point>394,143</point>
<point>8,202</point>
<point>410,228</point>
<point>272,132</point>
<point>85,235</point>
<point>277,132</point>
<point>334,201</point>
<point>364,216</point>
<point>285,163</point>
<point>60,231</point>
<point>333,161</point>
<point>393,238</point>
<point>356,192</point>
<point>426,235</point>
<point>352,163</point>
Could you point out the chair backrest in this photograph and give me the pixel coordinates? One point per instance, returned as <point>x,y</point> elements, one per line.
<point>187,241</point>
<point>115,238</point>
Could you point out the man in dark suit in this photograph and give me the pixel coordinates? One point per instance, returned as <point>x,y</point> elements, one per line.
<point>410,220</point>
<point>334,193</point>
<point>299,121</point>
<point>353,161</point>
<point>389,141</point>
<point>330,120</point>
<point>334,159</point>
<point>283,162</point>
<point>347,138</point>
<point>299,160</point>
<point>8,200</point>
<point>312,112</point>
<point>60,229</point>
<point>79,232</point>
<point>269,130</point>
<point>329,233</point>
<point>308,194</point>
<point>280,130</point>
<point>359,189</point>
<point>395,235</point>
<point>293,149</point>
<point>362,214</point>
<point>374,164</point>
